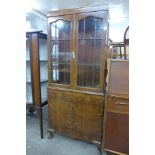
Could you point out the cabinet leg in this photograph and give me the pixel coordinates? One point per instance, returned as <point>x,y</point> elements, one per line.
<point>31,110</point>
<point>99,150</point>
<point>41,122</point>
<point>50,133</point>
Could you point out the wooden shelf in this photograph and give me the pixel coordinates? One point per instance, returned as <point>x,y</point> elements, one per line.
<point>43,60</point>
<point>43,81</point>
<point>60,40</point>
<point>90,38</point>
<point>28,82</point>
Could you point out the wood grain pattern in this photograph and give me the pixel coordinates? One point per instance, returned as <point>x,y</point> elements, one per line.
<point>74,110</point>
<point>116,114</point>
<point>76,115</point>
<point>119,78</point>
<point>118,105</point>
<point>35,69</point>
<point>117,132</point>
<point>80,10</point>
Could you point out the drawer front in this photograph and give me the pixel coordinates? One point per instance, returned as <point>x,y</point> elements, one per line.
<point>118,105</point>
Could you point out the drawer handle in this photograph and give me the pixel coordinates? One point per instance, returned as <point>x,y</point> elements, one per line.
<point>121,103</point>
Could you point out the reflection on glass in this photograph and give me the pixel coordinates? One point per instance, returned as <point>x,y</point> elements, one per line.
<point>91,28</point>
<point>28,74</point>
<point>61,51</point>
<point>28,93</point>
<point>60,30</point>
<point>43,57</point>
<point>44,92</point>
<point>27,49</point>
<point>90,35</point>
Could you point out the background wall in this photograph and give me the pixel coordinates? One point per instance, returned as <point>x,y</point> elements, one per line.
<point>35,22</point>
<point>118,14</point>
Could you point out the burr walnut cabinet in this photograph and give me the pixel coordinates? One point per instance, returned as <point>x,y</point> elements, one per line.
<point>77,48</point>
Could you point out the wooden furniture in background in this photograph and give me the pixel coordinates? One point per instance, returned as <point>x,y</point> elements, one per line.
<point>116,115</point>
<point>77,46</point>
<point>36,73</point>
<point>120,50</point>
<point>126,41</point>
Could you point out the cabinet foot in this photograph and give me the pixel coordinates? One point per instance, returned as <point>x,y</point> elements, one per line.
<point>50,133</point>
<point>99,150</point>
<point>31,110</point>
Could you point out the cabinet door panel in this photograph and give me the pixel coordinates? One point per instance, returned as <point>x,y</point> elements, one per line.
<point>119,78</point>
<point>87,116</point>
<point>61,49</point>
<point>91,39</point>
<point>60,111</point>
<point>117,132</point>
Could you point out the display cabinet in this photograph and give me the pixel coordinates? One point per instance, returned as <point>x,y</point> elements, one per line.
<point>36,73</point>
<point>77,46</point>
<point>116,114</point>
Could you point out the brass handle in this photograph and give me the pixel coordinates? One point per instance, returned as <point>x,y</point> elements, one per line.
<point>121,103</point>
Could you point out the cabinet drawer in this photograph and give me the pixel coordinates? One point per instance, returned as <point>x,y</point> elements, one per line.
<point>117,104</point>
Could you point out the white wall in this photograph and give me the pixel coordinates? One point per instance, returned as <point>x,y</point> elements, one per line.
<point>35,22</point>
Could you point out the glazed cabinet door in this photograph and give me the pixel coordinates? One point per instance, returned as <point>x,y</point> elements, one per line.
<point>91,39</point>
<point>87,116</point>
<point>60,45</point>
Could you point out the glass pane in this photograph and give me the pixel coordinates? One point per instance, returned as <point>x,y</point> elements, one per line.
<point>27,49</point>
<point>28,93</point>
<point>90,28</point>
<point>28,74</point>
<point>28,71</point>
<point>43,53</point>
<point>61,73</point>
<point>89,51</point>
<point>60,30</point>
<point>89,56</point>
<point>43,56</point>
<point>44,92</point>
<point>61,52</point>
<point>28,68</point>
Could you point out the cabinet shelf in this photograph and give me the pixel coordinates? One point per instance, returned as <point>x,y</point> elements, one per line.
<point>43,81</point>
<point>60,63</point>
<point>28,81</point>
<point>44,99</point>
<point>90,38</point>
<point>60,40</point>
<point>84,64</point>
<point>29,102</point>
<point>43,60</point>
